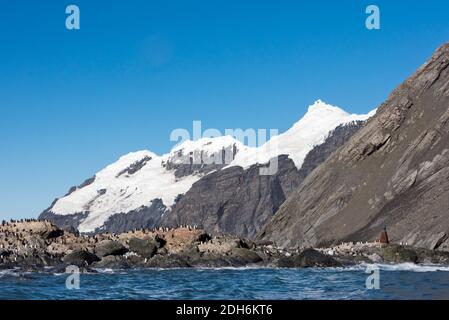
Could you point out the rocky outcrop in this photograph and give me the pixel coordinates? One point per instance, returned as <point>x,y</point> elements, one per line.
<point>398,254</point>
<point>392,172</point>
<point>110,248</point>
<point>26,245</point>
<point>146,248</point>
<point>113,262</point>
<point>199,162</point>
<point>80,258</point>
<point>242,256</point>
<point>338,137</point>
<point>134,167</point>
<point>66,222</point>
<point>24,248</point>
<point>308,258</point>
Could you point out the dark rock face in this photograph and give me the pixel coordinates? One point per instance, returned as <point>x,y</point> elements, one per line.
<point>393,172</point>
<point>183,170</point>
<point>242,256</point>
<point>112,262</point>
<point>196,162</point>
<point>338,137</point>
<point>136,166</point>
<point>312,258</point>
<point>399,254</point>
<point>66,222</point>
<point>168,261</point>
<point>110,248</point>
<point>26,249</point>
<point>143,218</point>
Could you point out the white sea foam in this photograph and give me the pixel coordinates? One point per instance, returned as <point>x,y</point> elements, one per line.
<point>414,267</point>
<point>397,267</point>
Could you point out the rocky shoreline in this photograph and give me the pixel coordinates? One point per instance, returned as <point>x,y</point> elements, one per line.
<point>33,245</point>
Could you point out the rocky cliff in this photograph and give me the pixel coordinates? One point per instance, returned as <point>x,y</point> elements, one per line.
<point>393,172</point>
<point>31,245</point>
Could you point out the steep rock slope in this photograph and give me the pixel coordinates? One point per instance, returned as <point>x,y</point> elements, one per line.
<point>393,172</point>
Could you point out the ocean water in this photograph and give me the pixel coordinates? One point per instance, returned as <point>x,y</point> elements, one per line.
<point>405,281</point>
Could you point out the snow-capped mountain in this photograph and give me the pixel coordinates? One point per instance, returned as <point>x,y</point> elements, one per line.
<point>143,184</point>
<point>302,137</point>
<point>138,178</point>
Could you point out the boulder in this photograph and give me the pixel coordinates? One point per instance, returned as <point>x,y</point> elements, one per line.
<point>286,262</point>
<point>241,256</point>
<point>110,248</point>
<point>112,262</point>
<point>30,263</point>
<point>44,229</point>
<point>190,253</point>
<point>167,261</point>
<point>375,258</point>
<point>52,233</point>
<point>211,261</point>
<point>398,254</point>
<point>176,240</point>
<point>432,256</point>
<point>80,258</point>
<point>308,258</point>
<point>135,261</point>
<point>222,245</point>
<point>146,248</point>
<point>70,229</point>
<point>312,258</point>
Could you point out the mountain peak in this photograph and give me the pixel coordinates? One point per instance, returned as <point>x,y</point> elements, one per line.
<point>320,105</point>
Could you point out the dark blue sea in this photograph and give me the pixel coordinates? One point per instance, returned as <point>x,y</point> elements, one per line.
<point>395,282</point>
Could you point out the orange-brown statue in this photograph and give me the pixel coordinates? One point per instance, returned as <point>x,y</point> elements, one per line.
<point>384,236</point>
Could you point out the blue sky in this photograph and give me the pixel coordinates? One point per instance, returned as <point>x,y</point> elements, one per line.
<point>72,102</point>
